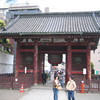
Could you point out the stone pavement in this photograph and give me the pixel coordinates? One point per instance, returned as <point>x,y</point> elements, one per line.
<point>47,94</point>
<point>40,92</point>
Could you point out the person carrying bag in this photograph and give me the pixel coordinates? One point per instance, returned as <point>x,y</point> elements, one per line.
<point>56,87</point>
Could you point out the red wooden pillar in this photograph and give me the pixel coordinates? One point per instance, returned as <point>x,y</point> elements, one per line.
<point>35,64</point>
<point>17,61</point>
<point>43,62</point>
<point>41,66</point>
<point>69,62</point>
<point>88,63</point>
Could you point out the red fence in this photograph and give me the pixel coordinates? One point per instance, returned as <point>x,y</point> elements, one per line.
<point>25,79</point>
<point>9,81</point>
<point>6,81</point>
<point>89,86</point>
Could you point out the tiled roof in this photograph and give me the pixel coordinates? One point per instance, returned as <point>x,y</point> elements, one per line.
<point>55,23</point>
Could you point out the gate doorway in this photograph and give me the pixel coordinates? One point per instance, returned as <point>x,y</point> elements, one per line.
<point>51,69</point>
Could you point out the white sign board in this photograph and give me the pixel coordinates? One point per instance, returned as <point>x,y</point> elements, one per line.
<point>25,70</point>
<point>84,71</point>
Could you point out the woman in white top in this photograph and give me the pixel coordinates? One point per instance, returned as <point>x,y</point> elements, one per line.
<point>71,85</point>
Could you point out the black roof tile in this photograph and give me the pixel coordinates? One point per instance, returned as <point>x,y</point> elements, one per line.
<point>55,23</point>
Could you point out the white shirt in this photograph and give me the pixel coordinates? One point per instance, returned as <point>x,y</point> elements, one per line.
<point>71,85</point>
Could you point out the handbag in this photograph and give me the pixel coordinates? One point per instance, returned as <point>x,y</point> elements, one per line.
<point>59,87</point>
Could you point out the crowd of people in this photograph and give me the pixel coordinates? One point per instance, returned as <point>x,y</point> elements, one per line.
<point>60,77</point>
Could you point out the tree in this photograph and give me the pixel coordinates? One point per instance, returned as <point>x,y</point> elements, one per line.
<point>92,68</point>
<point>2,24</point>
<point>92,65</point>
<point>4,41</point>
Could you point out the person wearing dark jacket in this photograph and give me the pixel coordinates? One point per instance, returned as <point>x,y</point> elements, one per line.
<point>44,78</point>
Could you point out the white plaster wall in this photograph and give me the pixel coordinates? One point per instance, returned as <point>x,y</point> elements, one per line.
<point>6,63</point>
<point>95,57</point>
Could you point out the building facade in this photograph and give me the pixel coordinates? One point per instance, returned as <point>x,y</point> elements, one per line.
<point>74,34</point>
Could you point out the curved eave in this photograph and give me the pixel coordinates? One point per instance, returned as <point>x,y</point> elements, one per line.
<point>52,33</point>
<point>91,33</point>
<point>9,34</point>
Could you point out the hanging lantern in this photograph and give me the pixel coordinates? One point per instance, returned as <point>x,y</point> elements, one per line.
<point>55,58</point>
<point>54,64</point>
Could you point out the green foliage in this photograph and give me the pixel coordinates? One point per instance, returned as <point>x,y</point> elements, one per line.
<point>3,41</point>
<point>6,43</point>
<point>0,40</point>
<point>2,24</point>
<point>0,49</point>
<point>6,51</point>
<point>92,65</point>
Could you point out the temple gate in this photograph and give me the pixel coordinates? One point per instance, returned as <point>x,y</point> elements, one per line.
<point>30,55</point>
<point>36,34</point>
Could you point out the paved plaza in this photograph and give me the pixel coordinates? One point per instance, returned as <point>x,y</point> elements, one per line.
<point>41,92</point>
<point>45,94</point>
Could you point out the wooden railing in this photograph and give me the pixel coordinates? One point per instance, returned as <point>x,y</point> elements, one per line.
<point>8,81</point>
<point>25,79</point>
<point>89,86</point>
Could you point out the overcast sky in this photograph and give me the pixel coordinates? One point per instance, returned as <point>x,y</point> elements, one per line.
<point>66,5</point>
<point>62,5</point>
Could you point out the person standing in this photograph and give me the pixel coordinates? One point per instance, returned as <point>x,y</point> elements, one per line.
<point>55,74</point>
<point>44,77</point>
<point>71,85</point>
<point>61,79</point>
<point>55,89</point>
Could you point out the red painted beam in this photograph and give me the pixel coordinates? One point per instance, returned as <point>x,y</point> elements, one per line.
<point>54,44</point>
<point>63,51</point>
<point>79,50</point>
<point>51,52</point>
<point>76,72</point>
<point>26,50</point>
<point>31,71</point>
<point>26,44</point>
